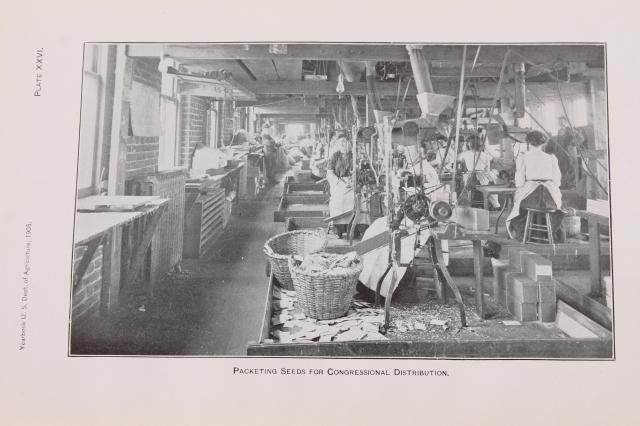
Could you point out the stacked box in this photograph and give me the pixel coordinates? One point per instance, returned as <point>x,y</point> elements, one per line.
<point>536,267</point>
<point>501,281</point>
<point>540,269</point>
<point>517,255</point>
<point>525,286</point>
<point>471,218</point>
<point>522,297</point>
<point>498,267</point>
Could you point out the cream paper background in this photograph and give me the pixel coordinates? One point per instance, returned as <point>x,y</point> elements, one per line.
<point>42,386</point>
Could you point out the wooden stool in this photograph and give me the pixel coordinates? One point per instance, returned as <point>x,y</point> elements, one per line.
<point>544,229</point>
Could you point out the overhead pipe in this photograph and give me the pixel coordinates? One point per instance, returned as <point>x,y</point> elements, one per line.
<point>431,103</point>
<point>520,89</point>
<point>352,71</point>
<point>371,84</point>
<point>420,67</point>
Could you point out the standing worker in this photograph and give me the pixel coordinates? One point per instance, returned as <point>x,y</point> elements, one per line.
<point>318,163</point>
<point>339,178</point>
<point>270,158</point>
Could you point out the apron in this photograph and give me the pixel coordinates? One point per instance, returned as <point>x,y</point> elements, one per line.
<point>375,262</point>
<point>525,191</point>
<point>341,198</point>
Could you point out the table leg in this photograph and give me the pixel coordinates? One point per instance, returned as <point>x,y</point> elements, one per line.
<point>438,280</point>
<point>450,282</point>
<point>594,256</point>
<point>508,201</point>
<point>105,287</point>
<point>387,300</point>
<point>140,250</point>
<point>87,257</point>
<point>478,271</point>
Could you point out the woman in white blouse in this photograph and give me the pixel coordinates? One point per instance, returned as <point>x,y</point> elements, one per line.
<point>537,180</point>
<point>478,165</point>
<point>338,174</point>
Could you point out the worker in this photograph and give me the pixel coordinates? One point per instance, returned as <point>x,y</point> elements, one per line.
<point>340,186</point>
<point>565,147</point>
<point>240,137</point>
<point>318,163</point>
<point>443,155</point>
<point>421,167</point>
<point>306,144</point>
<point>477,166</point>
<point>270,158</point>
<point>537,180</point>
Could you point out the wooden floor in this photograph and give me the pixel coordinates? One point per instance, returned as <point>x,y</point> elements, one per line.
<point>214,307</point>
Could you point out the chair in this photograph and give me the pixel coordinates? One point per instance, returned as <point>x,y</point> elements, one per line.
<point>534,230</point>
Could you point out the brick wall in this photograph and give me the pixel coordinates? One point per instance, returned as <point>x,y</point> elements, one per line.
<point>193,123</point>
<point>142,152</point>
<point>86,298</point>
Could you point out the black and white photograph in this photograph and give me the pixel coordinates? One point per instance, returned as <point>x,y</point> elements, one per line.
<point>347,200</point>
<point>319,213</point>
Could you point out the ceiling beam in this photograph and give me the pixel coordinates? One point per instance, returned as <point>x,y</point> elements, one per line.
<point>284,110</point>
<point>592,53</point>
<point>328,88</point>
<point>314,88</point>
<point>294,117</point>
<point>288,69</point>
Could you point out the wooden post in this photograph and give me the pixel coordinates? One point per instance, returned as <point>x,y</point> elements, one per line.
<point>520,89</point>
<point>595,265</point>
<point>439,282</point>
<point>367,110</point>
<point>117,152</point>
<point>458,118</point>
<point>597,88</point>
<point>477,269</point>
<point>105,289</point>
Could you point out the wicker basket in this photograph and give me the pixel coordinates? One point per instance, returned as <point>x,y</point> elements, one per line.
<point>327,294</point>
<point>278,249</point>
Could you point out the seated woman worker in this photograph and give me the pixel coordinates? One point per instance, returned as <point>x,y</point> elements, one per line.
<point>477,164</point>
<point>340,186</point>
<point>537,182</point>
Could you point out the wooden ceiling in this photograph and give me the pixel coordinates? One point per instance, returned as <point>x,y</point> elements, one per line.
<point>278,76</point>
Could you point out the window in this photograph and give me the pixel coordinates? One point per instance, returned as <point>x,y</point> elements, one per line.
<point>94,71</point>
<point>169,114</point>
<point>580,112</point>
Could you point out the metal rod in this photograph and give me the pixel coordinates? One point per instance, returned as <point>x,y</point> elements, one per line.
<point>354,176</point>
<point>458,118</point>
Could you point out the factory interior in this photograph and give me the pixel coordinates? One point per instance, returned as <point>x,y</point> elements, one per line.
<point>343,200</point>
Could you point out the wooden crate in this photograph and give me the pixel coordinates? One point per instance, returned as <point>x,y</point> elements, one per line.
<point>297,188</point>
<point>296,223</point>
<point>301,206</point>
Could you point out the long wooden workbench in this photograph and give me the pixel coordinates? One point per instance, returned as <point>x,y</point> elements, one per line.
<point>94,228</point>
<point>552,346</point>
